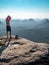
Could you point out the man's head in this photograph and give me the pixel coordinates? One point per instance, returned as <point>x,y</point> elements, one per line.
<point>8,18</point>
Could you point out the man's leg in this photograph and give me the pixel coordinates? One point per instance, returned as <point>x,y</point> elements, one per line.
<point>7,34</point>
<point>10,34</point>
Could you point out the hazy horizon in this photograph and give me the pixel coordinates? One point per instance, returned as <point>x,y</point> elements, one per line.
<point>24,9</point>
<point>25,18</point>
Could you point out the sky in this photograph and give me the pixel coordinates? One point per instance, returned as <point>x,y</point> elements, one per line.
<point>24,9</point>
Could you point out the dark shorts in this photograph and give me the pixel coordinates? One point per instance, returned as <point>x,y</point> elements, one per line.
<point>8,28</point>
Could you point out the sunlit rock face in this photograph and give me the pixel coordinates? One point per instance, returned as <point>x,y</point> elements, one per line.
<point>21,51</point>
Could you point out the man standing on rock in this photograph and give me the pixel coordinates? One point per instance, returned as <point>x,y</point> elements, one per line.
<point>8,27</point>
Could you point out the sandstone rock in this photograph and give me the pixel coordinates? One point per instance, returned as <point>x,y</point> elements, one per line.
<point>24,52</point>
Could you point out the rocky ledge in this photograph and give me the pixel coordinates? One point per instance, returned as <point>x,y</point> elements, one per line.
<point>23,52</point>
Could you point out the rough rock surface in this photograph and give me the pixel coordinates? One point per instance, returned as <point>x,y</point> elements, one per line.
<point>23,52</point>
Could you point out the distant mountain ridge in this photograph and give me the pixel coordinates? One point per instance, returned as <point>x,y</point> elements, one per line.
<point>25,20</point>
<point>0,22</point>
<point>46,20</point>
<point>30,19</point>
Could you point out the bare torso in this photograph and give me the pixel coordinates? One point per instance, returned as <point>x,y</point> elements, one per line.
<point>7,23</point>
